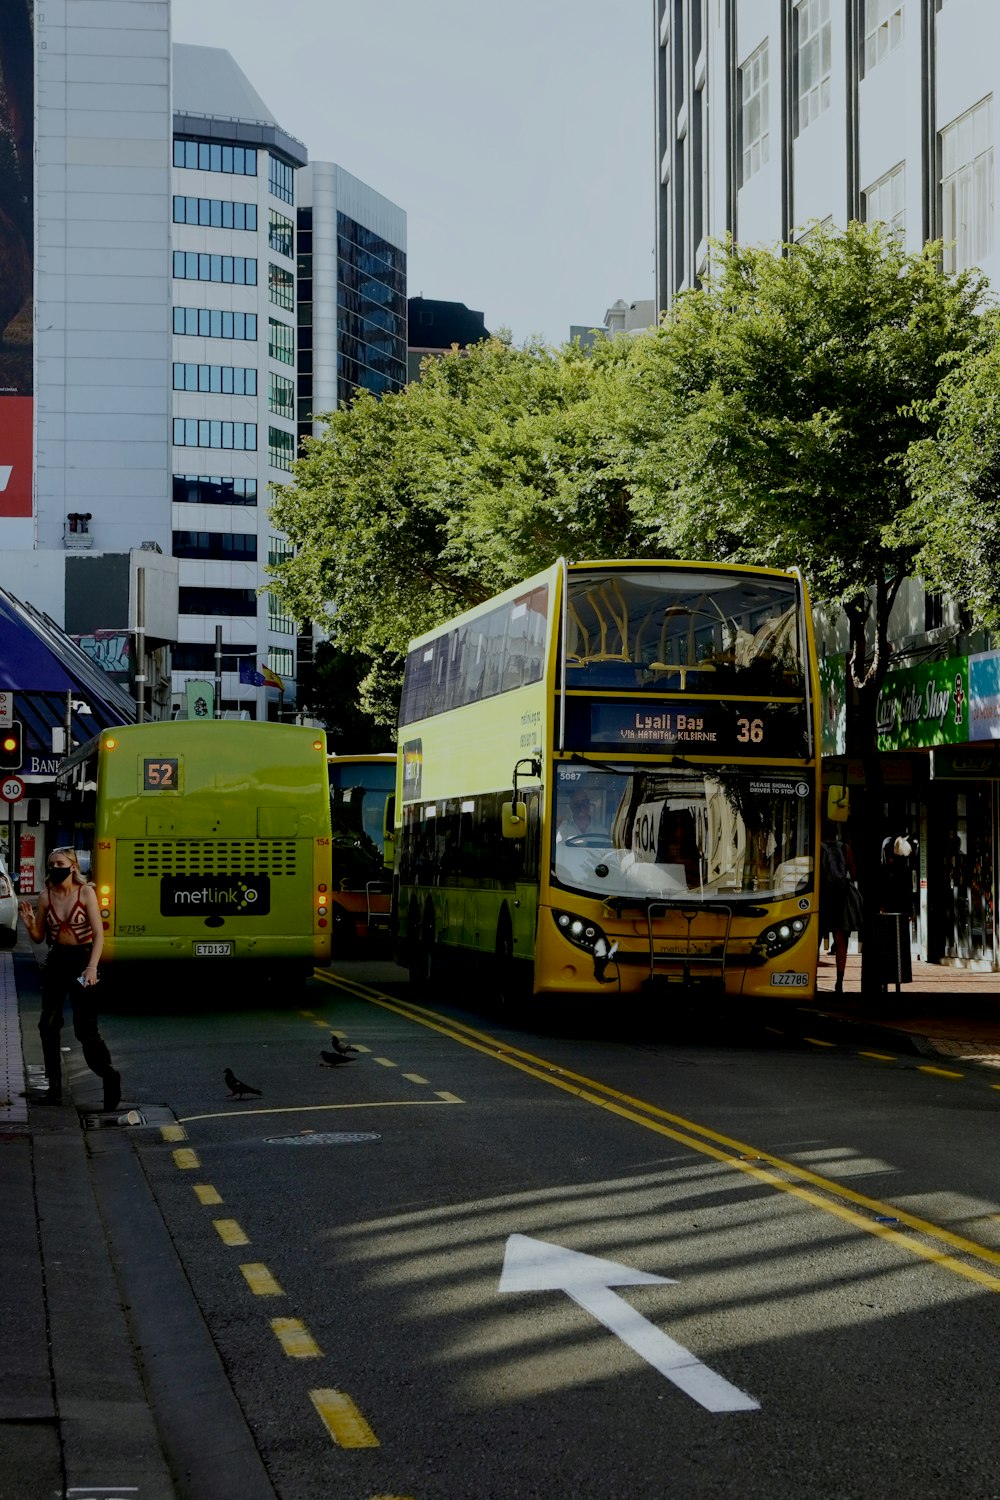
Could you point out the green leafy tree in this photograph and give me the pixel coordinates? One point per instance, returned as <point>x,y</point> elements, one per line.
<point>956,480</point>
<point>785,396</point>
<point>331,690</point>
<point>420,504</point>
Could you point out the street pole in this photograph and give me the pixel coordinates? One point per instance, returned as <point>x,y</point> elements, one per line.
<point>218,671</point>
<point>140,644</point>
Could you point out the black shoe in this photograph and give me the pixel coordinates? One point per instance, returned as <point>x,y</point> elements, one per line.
<point>112,1089</point>
<point>838,988</point>
<point>47,1096</point>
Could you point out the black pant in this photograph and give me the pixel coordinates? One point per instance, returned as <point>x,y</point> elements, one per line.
<point>60,980</point>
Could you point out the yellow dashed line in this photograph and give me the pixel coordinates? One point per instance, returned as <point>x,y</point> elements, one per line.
<point>818,1041</point>
<point>229,1232</point>
<point>385,1062</point>
<point>309,1014</point>
<point>938,1072</point>
<point>879,1056</point>
<point>206,1193</point>
<point>414,1078</point>
<point>295,1338</point>
<point>342,1420</point>
<point>447,1098</point>
<point>173,1132</point>
<point>261,1282</point>
<point>185,1158</point>
<point>358,1047</point>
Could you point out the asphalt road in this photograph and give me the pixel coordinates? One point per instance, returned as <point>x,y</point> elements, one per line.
<point>607,1257</point>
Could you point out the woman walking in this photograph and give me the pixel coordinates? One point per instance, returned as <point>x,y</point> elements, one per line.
<point>68,918</point>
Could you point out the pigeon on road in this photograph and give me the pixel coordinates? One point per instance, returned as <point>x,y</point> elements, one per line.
<point>340,1053</point>
<point>237,1090</point>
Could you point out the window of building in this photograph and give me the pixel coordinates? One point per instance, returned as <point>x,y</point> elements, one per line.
<point>218,546</point>
<point>754,113</point>
<point>215,213</point>
<point>211,156</point>
<point>281,659</point>
<point>192,432</point>
<point>278,618</point>
<point>213,323</point>
<point>813,52</point>
<point>280,447</point>
<point>281,179</point>
<point>199,656</point>
<point>371,297</point>
<point>281,234</point>
<point>884,202</point>
<point>216,601</point>
<point>240,270</point>
<point>223,380</point>
<point>281,285</point>
<point>213,489</point>
<point>967,188</point>
<point>883,30</point>
<point>933,611</point>
<point>281,396</point>
<point>281,341</point>
<point>279,550</point>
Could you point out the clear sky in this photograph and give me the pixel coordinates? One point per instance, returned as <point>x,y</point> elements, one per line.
<point>517,135</point>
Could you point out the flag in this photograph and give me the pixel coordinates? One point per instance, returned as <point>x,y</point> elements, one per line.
<point>270,679</point>
<point>248,675</point>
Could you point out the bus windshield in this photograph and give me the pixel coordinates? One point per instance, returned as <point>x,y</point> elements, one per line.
<point>359,790</point>
<point>682,629</point>
<point>683,833</point>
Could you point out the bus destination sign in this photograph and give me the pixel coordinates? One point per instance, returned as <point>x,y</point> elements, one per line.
<point>696,728</point>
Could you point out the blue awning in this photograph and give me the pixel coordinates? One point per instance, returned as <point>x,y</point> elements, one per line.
<point>40,664</point>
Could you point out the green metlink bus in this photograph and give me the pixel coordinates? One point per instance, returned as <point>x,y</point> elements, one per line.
<point>210,842</point>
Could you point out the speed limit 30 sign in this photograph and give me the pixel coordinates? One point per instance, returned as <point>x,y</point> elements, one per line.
<point>11,789</point>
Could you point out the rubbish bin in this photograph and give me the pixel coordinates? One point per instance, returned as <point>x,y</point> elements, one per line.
<point>894,949</point>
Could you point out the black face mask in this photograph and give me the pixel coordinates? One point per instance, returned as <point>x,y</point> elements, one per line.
<point>58,873</point>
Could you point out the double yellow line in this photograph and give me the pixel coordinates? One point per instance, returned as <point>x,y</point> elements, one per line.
<point>936,1244</point>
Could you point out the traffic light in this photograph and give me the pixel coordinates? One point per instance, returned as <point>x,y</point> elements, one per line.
<point>11,747</point>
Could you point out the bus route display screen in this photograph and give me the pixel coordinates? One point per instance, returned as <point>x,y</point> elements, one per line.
<point>705,727</point>
<point>160,775</point>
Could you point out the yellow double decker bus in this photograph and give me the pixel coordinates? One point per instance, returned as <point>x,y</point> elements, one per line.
<point>210,844</point>
<point>608,776</point>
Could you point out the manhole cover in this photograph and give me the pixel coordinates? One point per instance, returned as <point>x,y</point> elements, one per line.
<point>323,1138</point>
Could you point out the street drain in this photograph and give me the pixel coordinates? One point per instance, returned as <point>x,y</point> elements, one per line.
<point>323,1138</point>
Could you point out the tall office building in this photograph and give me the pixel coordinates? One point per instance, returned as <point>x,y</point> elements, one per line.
<point>149,339</point>
<point>233,373</point>
<point>772,116</point>
<point>351,291</point>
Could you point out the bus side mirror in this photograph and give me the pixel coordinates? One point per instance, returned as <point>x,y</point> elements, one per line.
<point>389,852</point>
<point>838,804</point>
<point>514,818</point>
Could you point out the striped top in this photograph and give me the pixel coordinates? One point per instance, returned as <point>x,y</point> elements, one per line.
<point>77,923</point>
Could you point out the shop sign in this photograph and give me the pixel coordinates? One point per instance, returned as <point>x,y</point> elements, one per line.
<point>925,705</point>
<point>984,696</point>
<point>960,764</point>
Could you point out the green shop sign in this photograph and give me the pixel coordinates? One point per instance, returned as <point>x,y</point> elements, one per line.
<point>925,705</point>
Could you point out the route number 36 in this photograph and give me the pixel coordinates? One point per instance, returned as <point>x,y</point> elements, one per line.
<point>749,731</point>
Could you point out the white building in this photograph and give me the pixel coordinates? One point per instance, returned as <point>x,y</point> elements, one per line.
<point>233,316</point>
<point>772,116</point>
<point>149,338</point>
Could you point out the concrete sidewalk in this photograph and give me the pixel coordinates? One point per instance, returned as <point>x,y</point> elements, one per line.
<point>956,1012</point>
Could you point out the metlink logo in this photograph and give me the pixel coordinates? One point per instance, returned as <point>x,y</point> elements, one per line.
<point>215,896</point>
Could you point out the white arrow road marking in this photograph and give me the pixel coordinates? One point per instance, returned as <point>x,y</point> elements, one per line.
<point>532,1265</point>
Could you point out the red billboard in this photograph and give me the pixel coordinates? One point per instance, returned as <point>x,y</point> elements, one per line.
<point>17,83</point>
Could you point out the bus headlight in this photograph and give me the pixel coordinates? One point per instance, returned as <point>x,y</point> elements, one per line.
<point>779,937</point>
<point>580,931</point>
